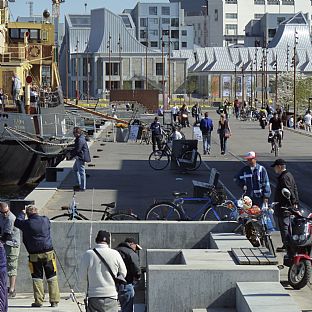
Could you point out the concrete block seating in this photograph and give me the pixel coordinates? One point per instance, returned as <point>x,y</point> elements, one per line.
<point>260,296</point>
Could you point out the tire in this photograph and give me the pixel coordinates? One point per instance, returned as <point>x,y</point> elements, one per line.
<point>66,217</point>
<point>158,160</point>
<point>163,211</point>
<point>217,213</point>
<point>276,148</point>
<point>192,166</point>
<point>299,275</point>
<point>123,216</point>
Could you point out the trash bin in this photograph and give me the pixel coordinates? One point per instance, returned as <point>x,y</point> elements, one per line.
<point>179,147</point>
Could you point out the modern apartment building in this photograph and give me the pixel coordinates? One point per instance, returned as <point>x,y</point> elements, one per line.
<point>226,19</point>
<point>157,22</point>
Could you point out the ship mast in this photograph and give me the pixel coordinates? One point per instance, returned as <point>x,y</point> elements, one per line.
<point>56,16</point>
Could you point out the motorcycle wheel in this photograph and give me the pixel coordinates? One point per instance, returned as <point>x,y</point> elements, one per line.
<point>299,275</point>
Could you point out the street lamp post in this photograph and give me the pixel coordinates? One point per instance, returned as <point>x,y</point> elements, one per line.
<point>256,76</point>
<point>243,84</point>
<point>235,82</point>
<point>262,78</point>
<point>163,68</point>
<point>276,79</point>
<point>109,61</point>
<point>88,74</point>
<point>120,63</point>
<point>251,83</point>
<point>77,82</point>
<point>295,66</point>
<point>146,51</point>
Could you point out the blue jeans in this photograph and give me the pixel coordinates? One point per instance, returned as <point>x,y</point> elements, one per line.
<point>207,142</point>
<point>79,169</point>
<point>126,297</point>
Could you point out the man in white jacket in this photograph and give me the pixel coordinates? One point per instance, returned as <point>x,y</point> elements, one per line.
<point>101,291</point>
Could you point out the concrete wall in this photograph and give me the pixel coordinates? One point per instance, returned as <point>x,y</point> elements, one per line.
<point>71,240</point>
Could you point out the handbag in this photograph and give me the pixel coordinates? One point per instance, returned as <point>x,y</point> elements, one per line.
<point>119,279</point>
<point>227,133</point>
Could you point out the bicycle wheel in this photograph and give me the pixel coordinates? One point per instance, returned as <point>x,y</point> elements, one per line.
<point>217,213</point>
<point>123,216</point>
<point>276,147</point>
<point>193,160</point>
<point>66,217</point>
<point>158,160</point>
<point>269,244</point>
<point>163,211</point>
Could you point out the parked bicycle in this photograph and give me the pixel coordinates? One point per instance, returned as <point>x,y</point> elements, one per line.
<point>211,210</point>
<point>160,159</point>
<point>74,214</point>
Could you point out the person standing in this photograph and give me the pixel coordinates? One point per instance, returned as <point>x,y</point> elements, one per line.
<point>37,240</point>
<point>3,280</point>
<point>285,180</point>
<point>156,134</point>
<point>174,112</point>
<point>183,115</point>
<point>196,112</point>
<point>224,132</point>
<point>307,121</point>
<point>16,90</point>
<point>256,179</point>
<point>101,289</point>
<point>82,155</point>
<point>10,237</point>
<point>206,127</point>
<point>126,293</point>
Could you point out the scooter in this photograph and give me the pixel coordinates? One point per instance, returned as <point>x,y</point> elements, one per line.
<point>299,251</point>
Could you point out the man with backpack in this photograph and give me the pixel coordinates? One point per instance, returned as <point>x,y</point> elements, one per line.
<point>206,127</point>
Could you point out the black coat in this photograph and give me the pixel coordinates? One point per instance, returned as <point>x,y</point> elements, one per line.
<point>286,179</point>
<point>131,259</point>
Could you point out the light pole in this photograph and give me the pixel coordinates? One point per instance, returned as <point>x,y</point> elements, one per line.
<point>256,77</point>
<point>120,63</point>
<point>243,84</point>
<point>262,78</point>
<point>276,79</point>
<point>295,66</point>
<point>169,65</point>
<point>163,67</point>
<point>77,82</point>
<point>109,60</point>
<point>251,83</point>
<point>146,51</point>
<point>88,77</point>
<point>235,82</point>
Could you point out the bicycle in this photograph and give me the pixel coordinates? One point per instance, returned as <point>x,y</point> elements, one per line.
<point>73,213</point>
<point>160,159</point>
<point>275,141</point>
<point>146,136</point>
<point>213,208</point>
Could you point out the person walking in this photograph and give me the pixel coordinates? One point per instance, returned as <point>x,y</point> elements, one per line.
<point>126,293</point>
<point>196,112</point>
<point>3,280</point>
<point>10,237</point>
<point>256,179</point>
<point>285,180</point>
<point>174,112</point>
<point>82,155</point>
<point>224,132</point>
<point>183,115</point>
<point>206,127</point>
<point>101,289</point>
<point>156,134</point>
<point>37,240</point>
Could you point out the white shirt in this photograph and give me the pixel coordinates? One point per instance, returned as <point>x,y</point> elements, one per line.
<point>100,281</point>
<point>177,136</point>
<point>307,119</point>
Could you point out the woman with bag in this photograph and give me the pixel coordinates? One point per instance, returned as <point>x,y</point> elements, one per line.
<point>224,132</point>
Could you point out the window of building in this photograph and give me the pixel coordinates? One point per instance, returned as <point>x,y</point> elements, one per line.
<point>139,84</point>
<point>231,15</point>
<point>231,1</point>
<point>46,75</point>
<point>165,20</point>
<point>258,16</point>
<point>159,69</point>
<point>271,32</point>
<point>273,2</point>
<point>114,70</point>
<point>153,32</point>
<point>184,32</point>
<point>175,34</point>
<point>280,20</point>
<point>259,1</point>
<point>143,22</point>
<point>216,15</point>
<point>176,45</point>
<point>184,44</point>
<point>230,29</point>
<point>142,34</point>
<point>152,10</point>
<point>165,32</point>
<point>154,44</point>
<point>165,10</point>
<point>288,2</point>
<point>153,21</point>
<point>174,22</point>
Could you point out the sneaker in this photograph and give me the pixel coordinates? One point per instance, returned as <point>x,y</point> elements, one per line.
<point>205,153</point>
<point>281,249</point>
<point>53,304</point>
<point>36,305</point>
<point>12,294</point>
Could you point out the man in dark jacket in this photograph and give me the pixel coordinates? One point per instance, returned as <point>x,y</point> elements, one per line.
<point>81,154</point>
<point>128,249</point>
<point>206,127</point>
<point>156,134</point>
<point>38,243</point>
<point>284,180</point>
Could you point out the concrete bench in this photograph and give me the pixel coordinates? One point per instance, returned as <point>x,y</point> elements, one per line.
<point>227,241</point>
<point>263,296</point>
<point>214,310</point>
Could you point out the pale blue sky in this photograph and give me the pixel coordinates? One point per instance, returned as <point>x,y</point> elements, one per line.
<point>20,8</point>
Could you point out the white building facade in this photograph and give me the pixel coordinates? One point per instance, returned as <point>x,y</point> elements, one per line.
<point>225,20</point>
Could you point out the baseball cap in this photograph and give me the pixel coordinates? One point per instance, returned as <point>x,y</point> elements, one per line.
<point>250,155</point>
<point>133,240</point>
<point>278,162</point>
<point>103,236</point>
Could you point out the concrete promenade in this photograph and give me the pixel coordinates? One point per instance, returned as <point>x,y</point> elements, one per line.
<point>120,172</point>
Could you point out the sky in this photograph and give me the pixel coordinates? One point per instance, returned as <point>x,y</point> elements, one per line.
<point>21,8</point>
